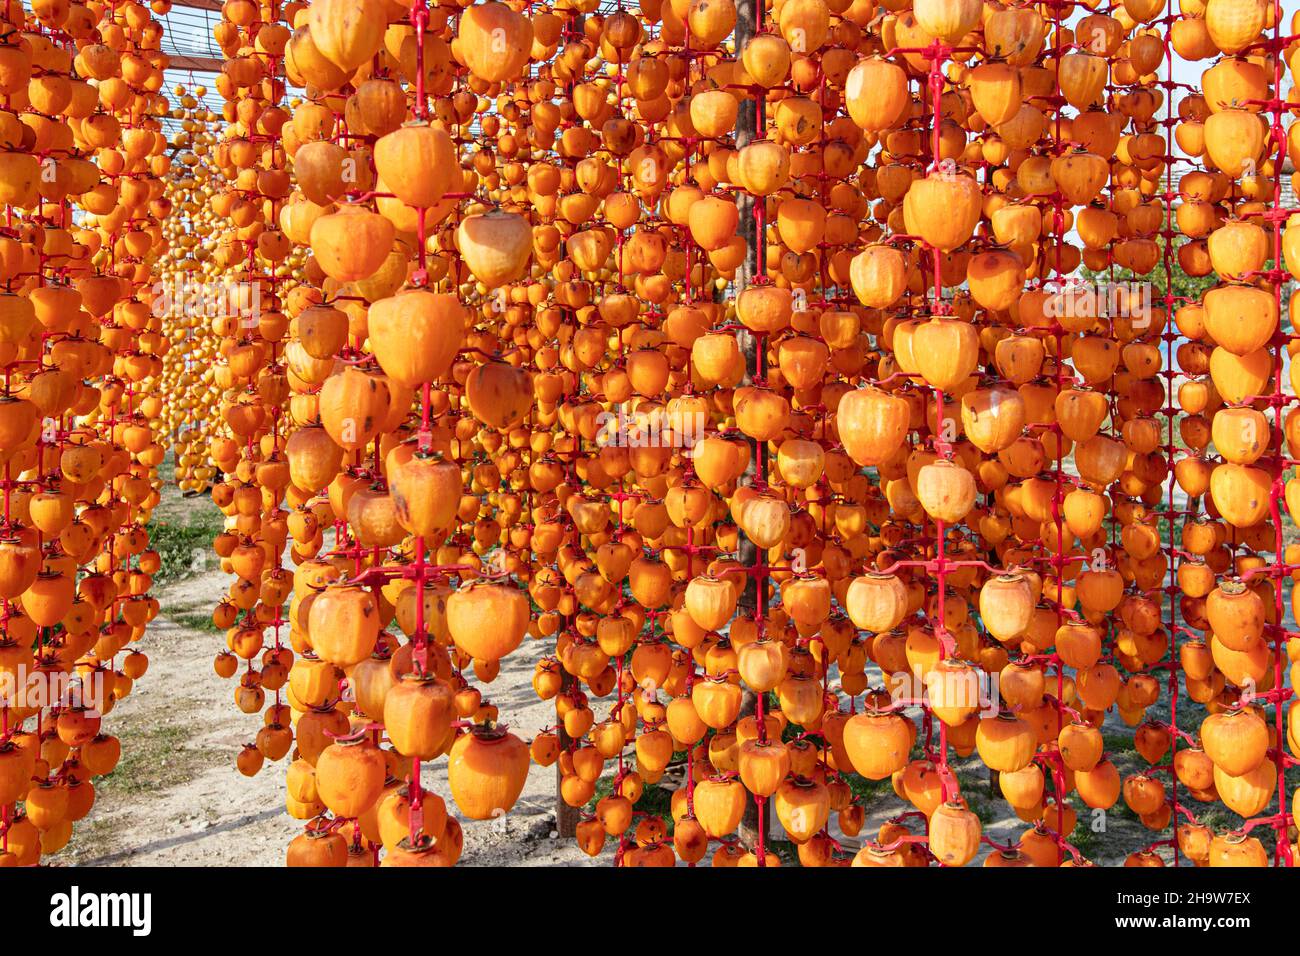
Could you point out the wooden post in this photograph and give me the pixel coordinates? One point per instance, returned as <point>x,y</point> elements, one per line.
<point>747,14</point>
<point>566,817</point>
<point>747,17</point>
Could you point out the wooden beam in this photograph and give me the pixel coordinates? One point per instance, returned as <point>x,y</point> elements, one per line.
<point>199,64</point>
<point>198,4</point>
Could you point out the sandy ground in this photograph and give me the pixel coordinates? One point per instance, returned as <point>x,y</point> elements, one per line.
<point>193,808</point>
<point>178,800</point>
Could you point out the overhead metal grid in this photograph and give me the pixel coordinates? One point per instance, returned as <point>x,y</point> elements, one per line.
<point>188,40</point>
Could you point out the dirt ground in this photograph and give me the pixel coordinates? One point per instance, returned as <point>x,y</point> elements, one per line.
<point>177,798</point>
